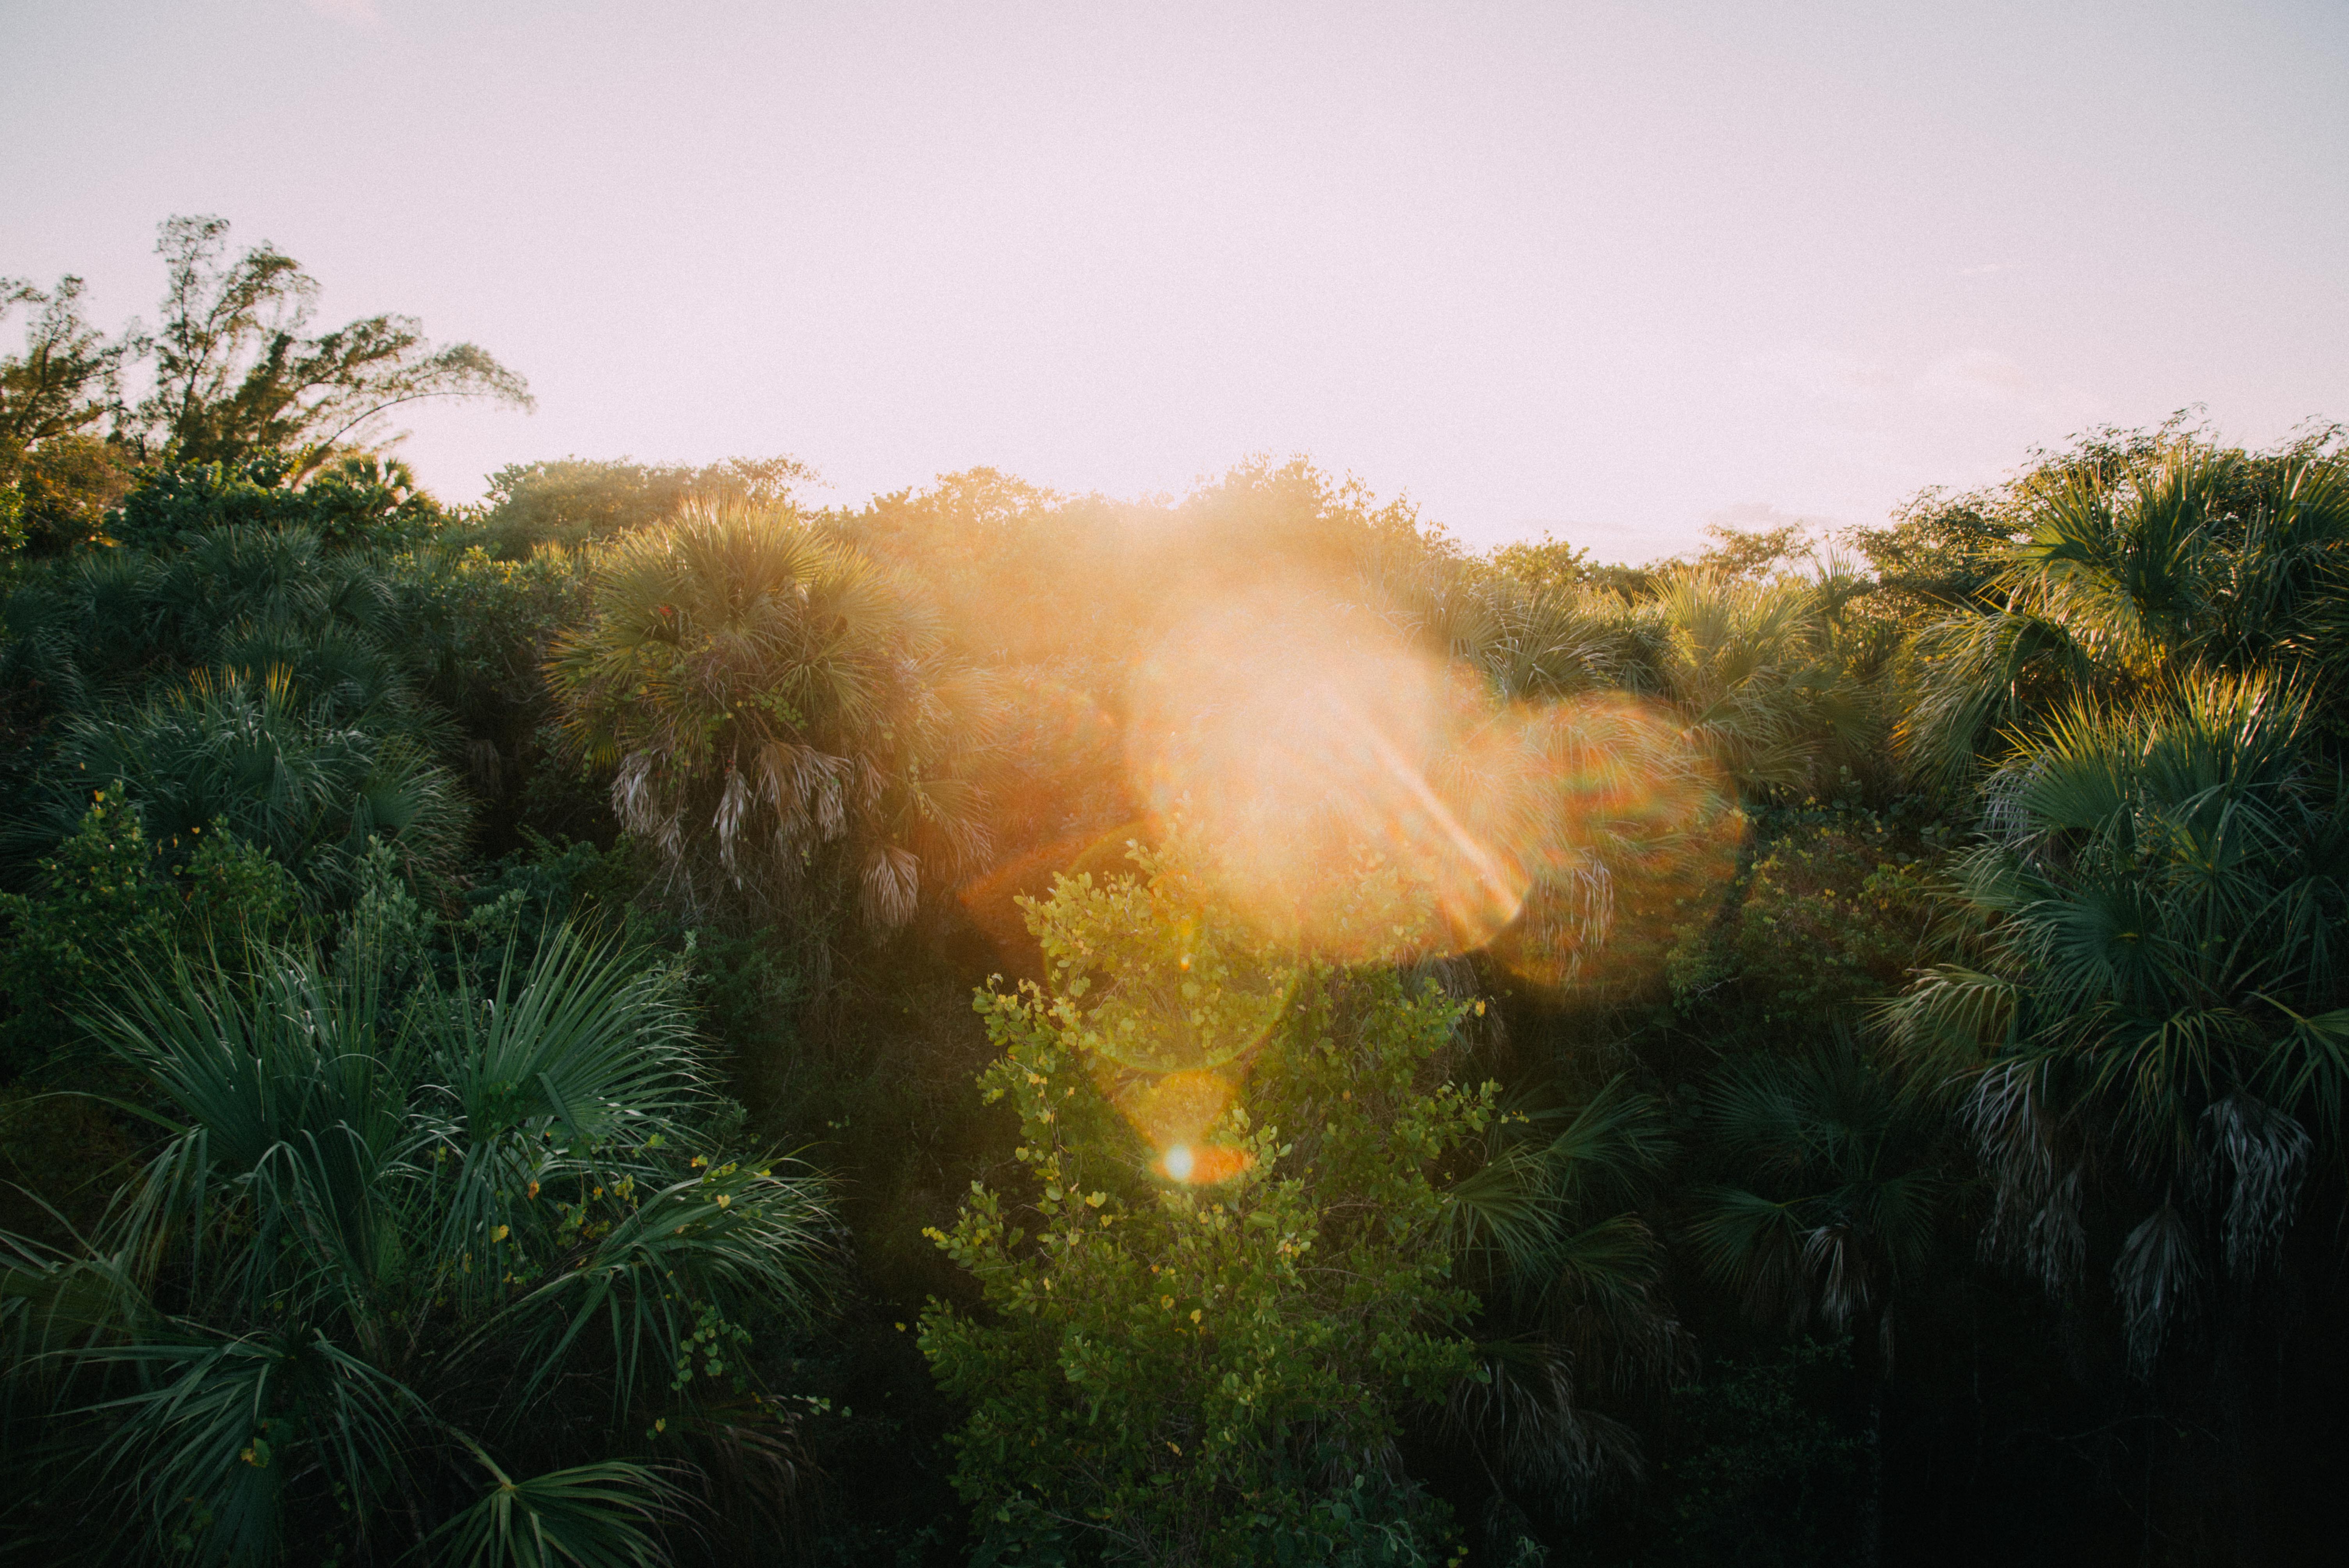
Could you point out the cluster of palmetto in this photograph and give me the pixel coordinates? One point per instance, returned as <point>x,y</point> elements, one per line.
<point>395,1265</point>
<point>2141,1026</point>
<point>2141,1022</point>
<point>246,674</point>
<point>2146,998</point>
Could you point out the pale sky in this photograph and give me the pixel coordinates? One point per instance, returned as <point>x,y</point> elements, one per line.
<point>1615,270</point>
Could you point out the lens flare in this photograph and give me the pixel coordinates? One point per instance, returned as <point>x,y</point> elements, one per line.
<point>1639,835</point>
<point>1175,1111</point>
<point>1209,1165</point>
<point>1370,800</point>
<point>1298,739</point>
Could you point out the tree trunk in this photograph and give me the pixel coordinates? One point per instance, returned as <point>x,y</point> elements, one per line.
<point>1871,1502</point>
<point>1870,1359</point>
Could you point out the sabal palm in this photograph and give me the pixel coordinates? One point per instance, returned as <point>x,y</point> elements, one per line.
<point>1840,1190</point>
<point>1550,1235</point>
<point>768,699</point>
<point>1842,1165</point>
<point>2150,995</point>
<point>2125,584</point>
<point>379,1244</point>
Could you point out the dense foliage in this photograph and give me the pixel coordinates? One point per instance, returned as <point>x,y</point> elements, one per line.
<point>1178,1372</point>
<point>1828,1051</point>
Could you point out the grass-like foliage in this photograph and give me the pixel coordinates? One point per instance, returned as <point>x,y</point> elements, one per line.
<point>384,1239</point>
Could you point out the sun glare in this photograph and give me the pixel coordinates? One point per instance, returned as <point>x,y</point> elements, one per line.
<point>1369,800</point>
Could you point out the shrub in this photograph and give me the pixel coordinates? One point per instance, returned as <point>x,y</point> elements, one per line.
<point>1205,1311</point>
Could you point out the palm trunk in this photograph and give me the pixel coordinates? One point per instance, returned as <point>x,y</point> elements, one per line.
<point>1868,1353</point>
<point>1871,1502</point>
<point>2241,1444</point>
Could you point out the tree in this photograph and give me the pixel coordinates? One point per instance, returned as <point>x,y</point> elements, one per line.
<point>573,501</point>
<point>238,373</point>
<point>65,380</point>
<point>64,489</point>
<point>2135,563</point>
<point>1548,565</point>
<point>2151,1007</point>
<point>388,1255</point>
<point>1844,1201</point>
<point>1549,1234</point>
<point>771,704</point>
<point>1209,1302</point>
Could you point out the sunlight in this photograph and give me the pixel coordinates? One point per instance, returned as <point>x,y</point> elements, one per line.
<point>1370,800</point>
<point>1297,737</point>
<point>1209,1165</point>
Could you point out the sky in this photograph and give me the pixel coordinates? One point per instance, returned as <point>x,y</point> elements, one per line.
<point>1611,271</point>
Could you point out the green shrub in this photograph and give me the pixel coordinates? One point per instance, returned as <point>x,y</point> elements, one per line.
<point>1214,1368</point>
<point>1833,912</point>
<point>113,901</point>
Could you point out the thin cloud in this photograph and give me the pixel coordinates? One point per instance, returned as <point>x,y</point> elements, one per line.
<point>1985,377</point>
<point>1980,376</point>
<point>1761,516</point>
<point>359,14</point>
<point>1824,373</point>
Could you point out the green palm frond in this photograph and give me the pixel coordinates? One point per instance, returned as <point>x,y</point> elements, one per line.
<point>363,1218</point>
<point>604,1516</point>
<point>1848,1190</point>
<point>216,1418</point>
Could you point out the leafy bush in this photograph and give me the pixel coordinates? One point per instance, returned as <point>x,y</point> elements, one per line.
<point>1207,1310</point>
<point>573,501</point>
<point>1834,912</point>
<point>1764,1473</point>
<point>475,637</point>
<point>112,901</point>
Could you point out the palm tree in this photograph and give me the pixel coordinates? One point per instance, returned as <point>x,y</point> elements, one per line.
<point>2147,996</point>
<point>1842,1163</point>
<point>1549,1235</point>
<point>771,703</point>
<point>386,1254</point>
<point>2128,577</point>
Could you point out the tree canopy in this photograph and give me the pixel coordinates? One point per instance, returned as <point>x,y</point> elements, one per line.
<point>654,1020</point>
